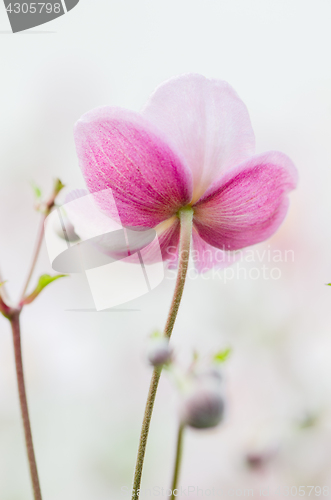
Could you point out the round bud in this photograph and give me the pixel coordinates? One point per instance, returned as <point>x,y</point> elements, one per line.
<point>203,408</point>
<point>159,352</point>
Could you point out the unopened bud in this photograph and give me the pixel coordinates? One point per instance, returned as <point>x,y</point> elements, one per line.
<point>203,409</point>
<point>159,352</point>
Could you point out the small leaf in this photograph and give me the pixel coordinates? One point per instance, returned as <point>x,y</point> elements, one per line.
<point>328,284</point>
<point>221,356</point>
<point>36,190</point>
<point>44,280</point>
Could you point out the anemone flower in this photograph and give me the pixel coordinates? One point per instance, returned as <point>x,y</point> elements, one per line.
<point>192,146</point>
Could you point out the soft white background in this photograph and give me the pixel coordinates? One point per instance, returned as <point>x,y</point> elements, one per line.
<point>86,375</point>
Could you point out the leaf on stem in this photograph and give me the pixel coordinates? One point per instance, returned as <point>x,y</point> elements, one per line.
<point>44,280</point>
<point>221,356</point>
<point>37,191</point>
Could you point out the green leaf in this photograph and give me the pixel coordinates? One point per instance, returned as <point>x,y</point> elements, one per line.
<point>328,284</point>
<point>222,356</point>
<point>44,280</point>
<point>36,190</point>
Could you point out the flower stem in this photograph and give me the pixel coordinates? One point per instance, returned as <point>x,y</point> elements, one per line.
<point>15,324</point>
<point>35,254</point>
<point>47,208</point>
<point>186,221</point>
<point>179,451</point>
<point>12,313</point>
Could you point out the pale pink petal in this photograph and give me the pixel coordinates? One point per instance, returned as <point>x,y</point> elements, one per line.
<point>118,149</point>
<point>206,122</point>
<point>246,205</point>
<point>206,257</point>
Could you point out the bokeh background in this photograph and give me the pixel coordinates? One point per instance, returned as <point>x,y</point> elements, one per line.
<point>86,374</point>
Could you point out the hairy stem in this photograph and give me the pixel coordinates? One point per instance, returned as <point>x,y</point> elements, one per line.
<point>15,324</point>
<point>178,460</point>
<point>186,220</point>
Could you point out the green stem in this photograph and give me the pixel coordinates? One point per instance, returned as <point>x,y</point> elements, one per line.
<point>179,451</point>
<point>15,324</point>
<point>186,221</point>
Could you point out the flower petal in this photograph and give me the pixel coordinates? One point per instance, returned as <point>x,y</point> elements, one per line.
<point>82,209</point>
<point>206,122</point>
<point>248,204</point>
<point>118,149</point>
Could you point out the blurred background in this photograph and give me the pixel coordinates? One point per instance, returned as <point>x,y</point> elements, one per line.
<point>87,378</point>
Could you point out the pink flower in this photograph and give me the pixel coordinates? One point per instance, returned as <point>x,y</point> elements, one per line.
<point>192,144</point>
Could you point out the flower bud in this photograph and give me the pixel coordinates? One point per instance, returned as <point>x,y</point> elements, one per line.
<point>203,408</point>
<point>159,352</point>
